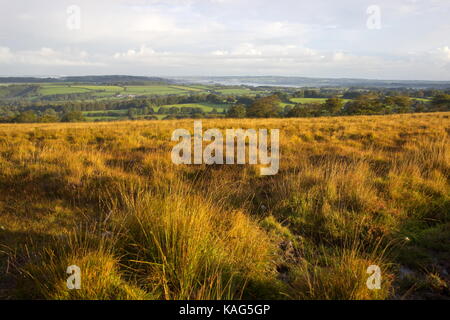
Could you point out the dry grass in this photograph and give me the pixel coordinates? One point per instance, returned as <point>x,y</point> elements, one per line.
<point>351,192</point>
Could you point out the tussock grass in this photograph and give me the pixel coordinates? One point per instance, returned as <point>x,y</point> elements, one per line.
<point>184,247</point>
<point>44,274</point>
<point>339,275</point>
<point>351,192</point>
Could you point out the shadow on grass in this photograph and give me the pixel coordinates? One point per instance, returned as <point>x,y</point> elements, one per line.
<point>14,253</point>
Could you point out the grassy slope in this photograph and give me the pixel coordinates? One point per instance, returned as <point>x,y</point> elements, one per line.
<point>111,91</point>
<point>47,90</point>
<point>140,227</point>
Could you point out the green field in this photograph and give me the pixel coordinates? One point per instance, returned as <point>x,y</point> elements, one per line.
<point>206,107</point>
<point>284,104</point>
<point>184,88</point>
<point>151,90</point>
<point>90,92</point>
<point>104,88</point>
<point>236,91</point>
<point>113,91</point>
<point>49,90</point>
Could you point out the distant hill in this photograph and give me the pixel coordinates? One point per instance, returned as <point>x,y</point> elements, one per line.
<point>256,81</point>
<point>315,82</point>
<point>107,79</point>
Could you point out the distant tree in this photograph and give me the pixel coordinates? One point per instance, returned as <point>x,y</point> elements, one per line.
<point>441,102</point>
<point>300,111</point>
<point>214,98</point>
<point>49,115</point>
<point>420,94</point>
<point>333,105</point>
<point>287,109</point>
<point>312,93</point>
<point>245,100</point>
<point>237,111</point>
<point>197,112</point>
<point>419,106</point>
<point>283,96</point>
<point>230,100</point>
<point>8,116</point>
<point>299,94</point>
<point>73,116</point>
<point>132,113</point>
<point>267,107</point>
<point>187,110</point>
<point>366,104</point>
<point>148,110</point>
<point>27,117</point>
<point>174,110</point>
<point>402,104</point>
<point>197,115</point>
<point>351,94</point>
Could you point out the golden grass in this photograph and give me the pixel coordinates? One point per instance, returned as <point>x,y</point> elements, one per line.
<point>107,198</point>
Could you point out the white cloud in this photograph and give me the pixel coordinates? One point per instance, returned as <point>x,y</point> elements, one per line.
<point>220,53</point>
<point>247,49</point>
<point>46,56</point>
<point>6,56</point>
<point>444,52</point>
<point>143,52</point>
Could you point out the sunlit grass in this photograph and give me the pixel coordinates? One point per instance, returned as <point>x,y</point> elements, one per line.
<point>351,192</point>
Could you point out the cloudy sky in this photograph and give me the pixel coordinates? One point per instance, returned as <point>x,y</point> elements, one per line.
<point>378,39</point>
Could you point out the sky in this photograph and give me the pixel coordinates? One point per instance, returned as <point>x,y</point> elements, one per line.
<point>376,39</point>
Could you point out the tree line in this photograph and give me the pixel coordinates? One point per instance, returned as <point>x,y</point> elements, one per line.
<point>275,104</point>
<point>369,104</point>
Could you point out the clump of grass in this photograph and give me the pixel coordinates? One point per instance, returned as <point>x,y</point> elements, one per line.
<point>184,247</point>
<point>101,279</point>
<point>275,228</point>
<point>339,274</point>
